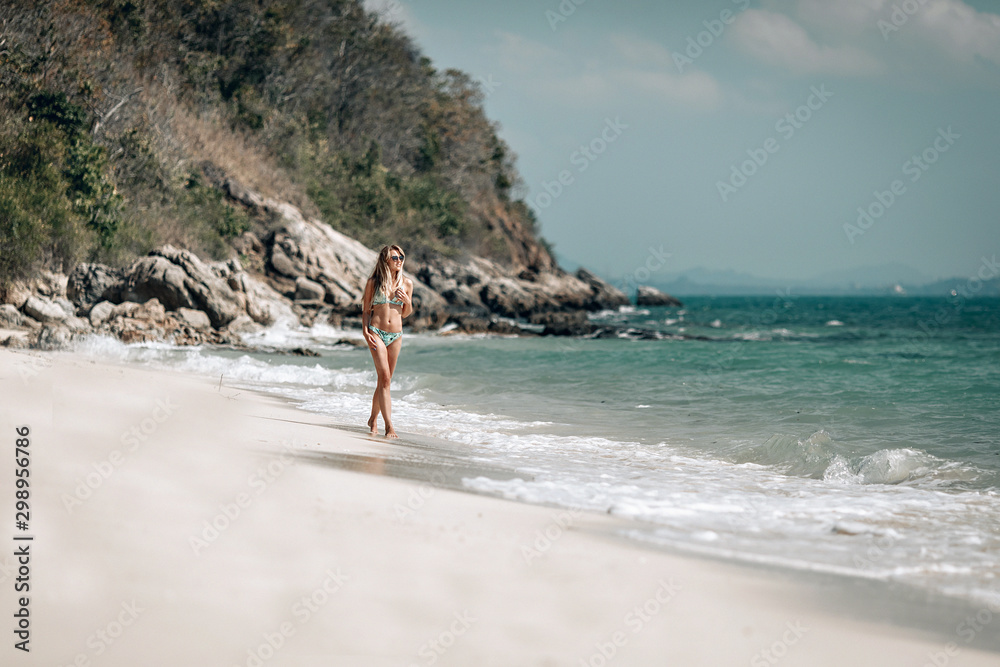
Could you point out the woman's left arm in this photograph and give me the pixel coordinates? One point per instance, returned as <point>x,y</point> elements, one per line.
<point>407,297</point>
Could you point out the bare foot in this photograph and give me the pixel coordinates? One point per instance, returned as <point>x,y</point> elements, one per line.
<point>373,425</point>
<point>390,432</point>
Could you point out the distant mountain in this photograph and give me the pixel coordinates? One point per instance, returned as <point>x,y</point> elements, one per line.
<point>868,277</point>
<point>885,279</point>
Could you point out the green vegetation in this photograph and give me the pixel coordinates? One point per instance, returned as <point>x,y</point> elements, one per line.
<point>121,119</point>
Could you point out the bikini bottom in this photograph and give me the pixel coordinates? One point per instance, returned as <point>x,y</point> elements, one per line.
<point>388,337</point>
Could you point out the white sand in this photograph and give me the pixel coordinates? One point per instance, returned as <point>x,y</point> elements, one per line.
<point>318,561</point>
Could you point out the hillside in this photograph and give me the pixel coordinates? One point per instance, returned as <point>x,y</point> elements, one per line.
<point>121,121</point>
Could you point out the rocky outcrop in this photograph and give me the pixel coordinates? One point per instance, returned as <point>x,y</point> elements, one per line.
<point>479,286</point>
<point>301,270</point>
<point>170,295</point>
<point>650,296</point>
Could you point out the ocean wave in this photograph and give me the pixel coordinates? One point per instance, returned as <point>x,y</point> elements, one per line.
<point>819,456</point>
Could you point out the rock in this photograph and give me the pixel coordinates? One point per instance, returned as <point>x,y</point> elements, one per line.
<point>152,310</point>
<point>179,279</point>
<point>155,276</point>
<point>650,296</point>
<point>243,324</point>
<point>136,329</point>
<point>143,316</point>
<point>15,340</point>
<point>126,309</point>
<point>15,294</point>
<point>251,251</point>
<point>603,296</point>
<point>92,283</point>
<point>10,317</point>
<point>573,323</point>
<point>509,297</point>
<point>356,343</point>
<point>307,290</point>
<point>53,337</point>
<point>77,324</point>
<point>101,313</point>
<point>314,250</point>
<point>306,248</point>
<point>243,195</point>
<point>49,284</point>
<point>281,263</point>
<point>43,310</point>
<point>66,305</point>
<point>481,284</point>
<point>469,323</point>
<point>195,319</point>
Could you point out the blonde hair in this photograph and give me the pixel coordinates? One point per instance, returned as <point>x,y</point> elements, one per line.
<point>381,275</point>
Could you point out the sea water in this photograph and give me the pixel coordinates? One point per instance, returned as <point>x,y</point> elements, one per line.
<point>858,436</point>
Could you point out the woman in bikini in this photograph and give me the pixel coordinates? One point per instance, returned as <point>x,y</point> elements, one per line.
<point>387,300</point>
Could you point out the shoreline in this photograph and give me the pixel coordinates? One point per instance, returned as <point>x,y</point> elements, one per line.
<point>217,537</point>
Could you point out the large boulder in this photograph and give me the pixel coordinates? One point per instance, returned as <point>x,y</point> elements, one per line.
<point>53,336</point>
<point>101,313</point>
<point>43,309</point>
<point>15,293</point>
<point>92,283</point>
<point>263,303</point>
<point>301,247</point>
<point>305,248</point>
<point>195,319</point>
<point>179,279</point>
<point>307,290</point>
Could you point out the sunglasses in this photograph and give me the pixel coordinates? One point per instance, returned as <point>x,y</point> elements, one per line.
<point>396,258</point>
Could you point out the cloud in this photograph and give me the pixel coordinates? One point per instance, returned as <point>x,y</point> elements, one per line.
<point>869,36</point>
<point>626,67</point>
<point>960,30</point>
<point>777,40</point>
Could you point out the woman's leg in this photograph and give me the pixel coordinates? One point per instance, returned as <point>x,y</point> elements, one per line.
<point>380,358</point>
<point>392,355</point>
<point>381,400</point>
<point>373,419</point>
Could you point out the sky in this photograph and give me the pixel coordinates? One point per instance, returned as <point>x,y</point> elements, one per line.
<point>781,138</point>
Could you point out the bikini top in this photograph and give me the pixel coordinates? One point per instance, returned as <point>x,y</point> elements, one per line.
<point>379,298</point>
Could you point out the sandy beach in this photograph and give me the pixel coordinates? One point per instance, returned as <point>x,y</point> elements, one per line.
<point>180,521</point>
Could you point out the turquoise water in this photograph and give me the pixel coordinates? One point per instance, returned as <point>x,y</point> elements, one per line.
<point>847,435</point>
<point>873,373</point>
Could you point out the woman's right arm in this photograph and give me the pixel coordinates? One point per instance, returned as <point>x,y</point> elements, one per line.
<point>366,311</point>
